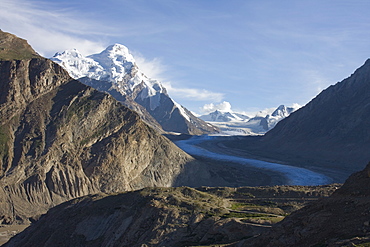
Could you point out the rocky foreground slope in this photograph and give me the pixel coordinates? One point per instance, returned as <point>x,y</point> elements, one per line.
<point>60,139</point>
<point>211,216</point>
<point>167,216</point>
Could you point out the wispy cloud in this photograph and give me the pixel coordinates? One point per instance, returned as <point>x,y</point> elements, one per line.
<point>153,68</point>
<point>193,94</point>
<point>156,69</point>
<point>49,28</point>
<point>223,106</point>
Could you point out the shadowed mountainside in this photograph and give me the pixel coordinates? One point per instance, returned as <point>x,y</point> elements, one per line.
<point>330,132</point>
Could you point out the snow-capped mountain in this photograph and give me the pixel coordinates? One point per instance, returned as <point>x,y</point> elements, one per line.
<point>220,116</point>
<point>114,71</point>
<point>279,114</point>
<point>233,123</point>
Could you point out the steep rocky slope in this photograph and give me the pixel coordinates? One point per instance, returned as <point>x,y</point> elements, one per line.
<point>340,220</point>
<point>333,126</point>
<point>115,71</point>
<point>60,139</point>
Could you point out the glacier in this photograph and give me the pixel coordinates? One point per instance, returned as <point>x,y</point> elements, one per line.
<point>294,175</point>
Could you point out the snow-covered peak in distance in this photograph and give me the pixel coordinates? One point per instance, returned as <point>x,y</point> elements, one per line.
<point>116,60</point>
<point>236,123</point>
<point>223,116</point>
<point>119,53</point>
<point>116,65</point>
<point>283,111</point>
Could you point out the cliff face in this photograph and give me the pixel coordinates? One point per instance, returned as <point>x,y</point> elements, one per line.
<point>60,139</point>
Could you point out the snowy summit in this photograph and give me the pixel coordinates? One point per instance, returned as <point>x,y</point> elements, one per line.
<point>115,71</point>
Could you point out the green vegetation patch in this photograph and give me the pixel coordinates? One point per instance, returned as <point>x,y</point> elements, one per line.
<point>243,215</point>
<point>187,199</point>
<point>243,206</point>
<point>14,48</point>
<point>4,146</point>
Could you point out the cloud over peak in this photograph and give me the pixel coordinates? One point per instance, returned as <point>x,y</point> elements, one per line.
<point>223,106</point>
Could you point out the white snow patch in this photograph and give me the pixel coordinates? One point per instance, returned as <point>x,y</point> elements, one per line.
<point>182,111</point>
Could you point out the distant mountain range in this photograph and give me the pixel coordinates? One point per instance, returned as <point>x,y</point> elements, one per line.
<point>240,124</point>
<point>115,71</point>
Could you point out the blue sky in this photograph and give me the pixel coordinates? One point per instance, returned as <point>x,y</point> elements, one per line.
<point>252,54</point>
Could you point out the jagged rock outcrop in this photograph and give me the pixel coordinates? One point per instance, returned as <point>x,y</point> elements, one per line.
<point>60,139</point>
<point>340,220</point>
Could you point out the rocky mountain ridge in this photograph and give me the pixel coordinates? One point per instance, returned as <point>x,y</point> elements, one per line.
<point>61,139</point>
<point>12,47</point>
<point>115,71</point>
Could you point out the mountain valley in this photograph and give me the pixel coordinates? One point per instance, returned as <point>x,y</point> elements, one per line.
<point>94,167</point>
<point>168,216</point>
